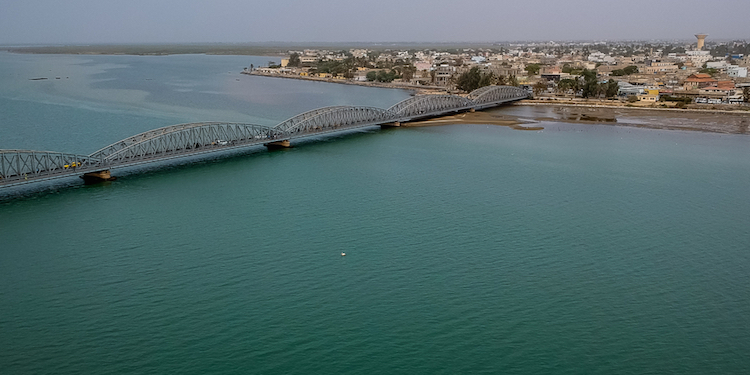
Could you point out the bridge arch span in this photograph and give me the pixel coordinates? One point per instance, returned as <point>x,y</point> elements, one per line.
<point>176,140</point>
<point>425,105</point>
<point>493,94</point>
<point>17,166</point>
<point>332,118</point>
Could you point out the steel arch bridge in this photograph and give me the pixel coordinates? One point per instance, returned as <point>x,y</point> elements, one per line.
<point>176,141</point>
<point>183,139</point>
<point>495,94</point>
<point>22,166</point>
<point>332,119</point>
<point>429,105</point>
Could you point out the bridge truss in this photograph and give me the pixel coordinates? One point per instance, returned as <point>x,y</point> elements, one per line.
<point>22,166</point>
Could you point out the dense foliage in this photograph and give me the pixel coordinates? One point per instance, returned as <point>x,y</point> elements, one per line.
<point>533,69</point>
<point>293,60</point>
<point>625,71</point>
<point>474,79</point>
<point>381,75</point>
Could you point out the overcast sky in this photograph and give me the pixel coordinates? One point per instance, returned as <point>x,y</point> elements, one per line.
<point>238,21</point>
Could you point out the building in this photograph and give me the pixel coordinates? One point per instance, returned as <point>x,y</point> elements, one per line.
<point>627,89</point>
<point>698,58</point>
<point>699,80</point>
<point>649,96</point>
<point>723,91</point>
<point>737,71</point>
<point>717,64</point>
<point>654,67</point>
<point>443,74</point>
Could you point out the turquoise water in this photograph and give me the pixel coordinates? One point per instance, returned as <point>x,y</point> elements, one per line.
<point>469,249</point>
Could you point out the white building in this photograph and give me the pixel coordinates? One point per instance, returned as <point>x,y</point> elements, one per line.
<point>699,57</point>
<point>735,71</point>
<point>717,64</point>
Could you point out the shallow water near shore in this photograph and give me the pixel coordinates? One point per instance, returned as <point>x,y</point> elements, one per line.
<point>469,248</point>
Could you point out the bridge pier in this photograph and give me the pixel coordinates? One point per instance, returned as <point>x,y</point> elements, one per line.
<point>390,125</point>
<point>278,144</point>
<point>97,177</point>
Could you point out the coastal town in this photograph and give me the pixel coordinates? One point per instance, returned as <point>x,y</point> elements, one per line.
<point>640,74</point>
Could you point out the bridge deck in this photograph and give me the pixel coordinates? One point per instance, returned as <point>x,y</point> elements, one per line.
<point>184,140</point>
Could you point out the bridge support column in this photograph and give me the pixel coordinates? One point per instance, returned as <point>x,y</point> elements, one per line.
<point>278,144</point>
<point>97,177</point>
<point>390,125</point>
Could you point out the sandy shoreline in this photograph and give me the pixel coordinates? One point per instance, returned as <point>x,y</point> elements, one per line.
<point>478,118</point>
<point>534,118</point>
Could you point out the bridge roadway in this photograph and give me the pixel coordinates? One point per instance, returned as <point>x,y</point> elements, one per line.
<point>177,141</point>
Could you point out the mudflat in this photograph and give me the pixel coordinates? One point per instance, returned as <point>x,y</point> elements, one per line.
<point>533,118</point>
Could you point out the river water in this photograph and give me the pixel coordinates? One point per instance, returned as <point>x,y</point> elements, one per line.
<point>469,248</point>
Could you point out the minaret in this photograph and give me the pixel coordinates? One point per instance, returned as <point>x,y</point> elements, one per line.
<point>701,41</point>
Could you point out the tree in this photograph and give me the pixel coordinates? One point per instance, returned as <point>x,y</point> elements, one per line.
<point>293,60</point>
<point>469,81</point>
<point>407,73</point>
<point>590,85</point>
<point>540,87</point>
<point>568,84</point>
<point>513,81</point>
<point>611,88</point>
<point>632,69</point>
<point>533,69</point>
<point>380,76</point>
<point>746,94</point>
<point>474,79</point>
<point>711,71</point>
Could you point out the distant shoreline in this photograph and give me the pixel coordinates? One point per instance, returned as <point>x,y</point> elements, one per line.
<point>416,89</point>
<point>533,102</point>
<point>150,50</point>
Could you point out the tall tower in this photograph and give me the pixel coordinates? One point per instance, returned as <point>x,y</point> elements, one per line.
<point>701,41</point>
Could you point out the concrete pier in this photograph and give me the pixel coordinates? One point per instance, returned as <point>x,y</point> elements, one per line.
<point>278,144</point>
<point>97,177</point>
<point>390,125</point>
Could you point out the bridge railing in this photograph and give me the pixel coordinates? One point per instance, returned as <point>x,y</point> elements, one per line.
<point>17,166</point>
<point>184,139</point>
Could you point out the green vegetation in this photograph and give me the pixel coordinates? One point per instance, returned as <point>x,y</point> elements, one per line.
<point>568,84</point>
<point>540,87</point>
<point>381,75</point>
<point>293,60</point>
<point>570,70</point>
<point>678,99</point>
<point>591,84</point>
<point>746,94</point>
<point>610,88</point>
<point>533,69</point>
<point>474,79</point>
<point>711,71</point>
<point>632,99</point>
<point>632,69</point>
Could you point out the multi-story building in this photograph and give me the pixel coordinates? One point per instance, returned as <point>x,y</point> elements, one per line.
<point>659,67</point>
<point>735,71</point>
<point>699,80</point>
<point>443,74</point>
